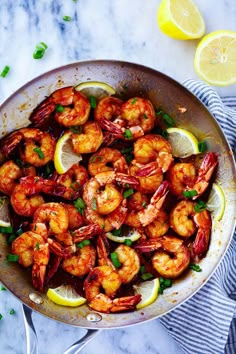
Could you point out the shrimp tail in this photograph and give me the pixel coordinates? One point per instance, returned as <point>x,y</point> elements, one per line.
<point>86,232</point>
<point>111,127</point>
<point>126,303</point>
<point>42,112</point>
<point>148,246</point>
<point>10,142</point>
<point>149,169</point>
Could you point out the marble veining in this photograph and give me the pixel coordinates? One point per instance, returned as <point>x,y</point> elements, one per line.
<point>104,29</point>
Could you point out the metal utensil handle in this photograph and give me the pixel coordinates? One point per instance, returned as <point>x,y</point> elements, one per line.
<point>80,344</point>
<point>31,336</point>
<point>32,340</point>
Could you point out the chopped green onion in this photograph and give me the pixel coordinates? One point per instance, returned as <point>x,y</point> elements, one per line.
<point>190,193</point>
<point>12,257</point>
<point>77,129</point>
<point>83,243</point>
<point>202,146</point>
<point>0,316</point>
<point>168,120</point>
<point>145,116</point>
<point>165,134</point>
<point>40,50</point>
<point>75,186</point>
<point>128,242</point>
<point>48,169</point>
<point>144,204</point>
<point>128,134</point>
<point>3,288</point>
<point>67,18</point>
<point>146,276</point>
<point>117,232</point>
<point>11,238</point>
<point>200,206</point>
<point>159,111</point>
<point>5,71</point>
<point>93,101</point>
<point>80,205</point>
<point>142,269</point>
<point>6,230</point>
<point>59,108</point>
<point>128,193</point>
<point>12,312</point>
<point>127,150</point>
<point>134,100</point>
<point>195,267</point>
<point>94,204</point>
<point>115,260</point>
<point>39,152</point>
<point>96,159</point>
<point>164,284</point>
<point>37,246</point>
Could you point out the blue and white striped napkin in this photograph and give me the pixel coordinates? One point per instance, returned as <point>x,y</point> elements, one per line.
<point>206,323</point>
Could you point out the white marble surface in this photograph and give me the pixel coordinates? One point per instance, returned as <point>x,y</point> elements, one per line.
<point>101,29</point>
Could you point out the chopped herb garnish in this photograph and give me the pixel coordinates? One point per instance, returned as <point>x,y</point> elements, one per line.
<point>195,267</point>
<point>40,50</point>
<point>11,238</point>
<point>189,194</point>
<point>200,206</point>
<point>67,18</point>
<point>83,243</point>
<point>115,260</point>
<point>145,116</point>
<point>0,316</point>
<point>3,288</point>
<point>134,100</point>
<point>164,284</point>
<point>144,204</point>
<point>159,111</point>
<point>117,232</point>
<point>75,186</point>
<point>39,152</point>
<point>146,276</point>
<point>165,134</point>
<point>77,129</point>
<point>5,71</point>
<point>37,246</point>
<point>128,242</point>
<point>6,229</point>
<point>12,257</point>
<point>12,312</point>
<point>94,204</point>
<point>128,134</point>
<point>80,205</point>
<point>48,169</point>
<point>96,159</point>
<point>142,269</point>
<point>93,101</point>
<point>59,108</point>
<point>202,146</point>
<point>168,120</point>
<point>128,193</point>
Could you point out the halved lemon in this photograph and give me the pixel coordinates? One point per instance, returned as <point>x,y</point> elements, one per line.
<point>64,156</point>
<point>149,292</point>
<point>215,58</point>
<point>4,212</point>
<point>183,142</point>
<point>95,88</point>
<point>65,295</point>
<point>180,19</point>
<point>133,236</point>
<point>216,202</point>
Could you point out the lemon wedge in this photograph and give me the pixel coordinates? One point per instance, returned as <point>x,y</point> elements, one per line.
<point>214,59</point>
<point>216,202</point>
<point>180,19</point>
<point>64,156</point>
<point>4,212</point>
<point>183,142</point>
<point>149,292</point>
<point>133,236</point>
<point>65,295</point>
<point>95,88</point>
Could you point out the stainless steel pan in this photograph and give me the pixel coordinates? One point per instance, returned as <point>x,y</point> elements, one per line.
<point>163,92</point>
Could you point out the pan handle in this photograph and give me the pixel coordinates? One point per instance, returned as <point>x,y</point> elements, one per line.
<point>32,340</point>
<point>31,336</point>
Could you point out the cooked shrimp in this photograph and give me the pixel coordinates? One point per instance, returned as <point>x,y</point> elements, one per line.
<point>137,201</point>
<point>86,232</point>
<point>129,259</point>
<point>173,259</point>
<point>89,140</point>
<point>180,176</point>
<point>76,220</point>
<point>55,215</point>
<point>159,226</point>
<point>26,196</point>
<point>32,250</point>
<point>107,279</point>
<point>81,262</point>
<point>9,142</point>
<point>181,218</point>
<point>73,180</point>
<point>107,159</point>
<point>153,148</point>
<point>201,242</point>
<point>66,97</point>
<point>149,212</point>
<point>10,172</point>
<point>38,147</point>
<point>108,108</point>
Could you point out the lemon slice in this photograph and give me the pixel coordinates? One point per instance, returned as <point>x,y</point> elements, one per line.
<point>4,212</point>
<point>180,19</point>
<point>183,142</point>
<point>216,202</point>
<point>64,156</point>
<point>95,88</point>
<point>133,235</point>
<point>65,295</point>
<point>149,292</point>
<point>214,59</point>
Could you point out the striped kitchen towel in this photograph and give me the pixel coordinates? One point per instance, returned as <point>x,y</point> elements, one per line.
<point>206,323</point>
